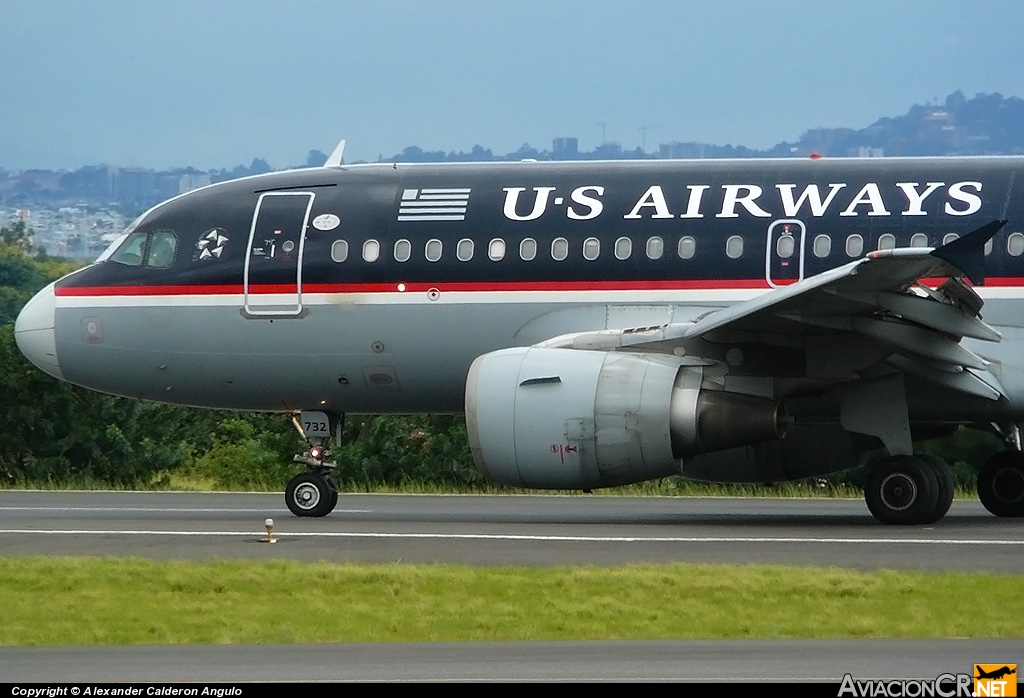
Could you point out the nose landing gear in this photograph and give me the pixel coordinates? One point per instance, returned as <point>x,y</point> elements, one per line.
<point>314,493</point>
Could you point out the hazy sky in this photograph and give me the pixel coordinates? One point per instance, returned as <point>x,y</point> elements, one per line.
<point>213,84</point>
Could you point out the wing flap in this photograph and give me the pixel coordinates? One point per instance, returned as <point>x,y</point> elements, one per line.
<point>883,296</point>
<point>938,316</point>
<point>980,384</point>
<point>917,340</point>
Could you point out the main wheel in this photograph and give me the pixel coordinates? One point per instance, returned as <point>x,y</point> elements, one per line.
<point>1001,484</point>
<point>902,490</point>
<point>310,494</point>
<point>944,477</point>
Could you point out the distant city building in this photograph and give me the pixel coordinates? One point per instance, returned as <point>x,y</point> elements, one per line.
<point>610,151</point>
<point>133,184</point>
<point>188,182</point>
<point>565,147</point>
<point>867,152</point>
<point>681,151</point>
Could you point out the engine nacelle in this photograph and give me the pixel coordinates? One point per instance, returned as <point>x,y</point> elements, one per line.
<point>572,419</point>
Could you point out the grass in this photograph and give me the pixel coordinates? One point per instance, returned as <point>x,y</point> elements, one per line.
<point>92,601</point>
<point>667,487</point>
<point>176,482</point>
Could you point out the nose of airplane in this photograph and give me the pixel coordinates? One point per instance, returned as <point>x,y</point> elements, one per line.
<point>35,334</point>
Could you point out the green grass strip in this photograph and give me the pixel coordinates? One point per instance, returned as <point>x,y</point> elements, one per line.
<point>92,601</point>
<point>668,487</point>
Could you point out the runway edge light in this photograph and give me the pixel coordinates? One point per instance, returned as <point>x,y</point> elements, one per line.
<point>269,538</point>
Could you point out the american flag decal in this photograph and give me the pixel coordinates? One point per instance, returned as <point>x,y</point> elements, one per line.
<point>433,205</point>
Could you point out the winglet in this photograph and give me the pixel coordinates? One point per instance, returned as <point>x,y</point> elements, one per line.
<point>968,253</point>
<point>335,159</point>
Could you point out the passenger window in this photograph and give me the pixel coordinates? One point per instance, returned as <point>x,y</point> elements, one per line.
<point>655,248</point>
<point>559,249</point>
<point>131,250</point>
<point>403,250</point>
<point>528,249</point>
<point>623,248</point>
<point>464,250</point>
<point>822,246</point>
<point>496,250</point>
<point>591,249</point>
<point>887,242</point>
<point>1015,244</point>
<point>950,237</point>
<point>919,240</point>
<point>854,246</point>
<point>734,247</point>
<point>785,246</point>
<point>371,251</point>
<point>687,247</point>
<point>989,246</point>
<point>432,251</point>
<point>339,251</point>
<point>161,249</point>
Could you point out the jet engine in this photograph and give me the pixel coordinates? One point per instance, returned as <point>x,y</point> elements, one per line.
<point>573,419</point>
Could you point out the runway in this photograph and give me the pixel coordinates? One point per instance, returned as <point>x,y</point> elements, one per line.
<point>711,662</point>
<point>506,530</point>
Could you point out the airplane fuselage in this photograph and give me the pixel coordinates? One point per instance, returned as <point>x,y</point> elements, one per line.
<point>372,288</point>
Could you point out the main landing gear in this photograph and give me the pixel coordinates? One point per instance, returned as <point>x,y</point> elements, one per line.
<point>313,493</point>
<point>903,488</point>
<point>918,489</point>
<point>914,489</point>
<point>1001,479</point>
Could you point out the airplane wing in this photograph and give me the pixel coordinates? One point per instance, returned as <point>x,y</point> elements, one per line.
<point>909,307</point>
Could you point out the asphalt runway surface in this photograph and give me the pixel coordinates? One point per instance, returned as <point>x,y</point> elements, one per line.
<point>717,661</point>
<point>508,530</point>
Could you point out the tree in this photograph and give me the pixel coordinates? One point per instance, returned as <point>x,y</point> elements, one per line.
<point>51,430</point>
<point>316,158</point>
<point>259,166</point>
<point>18,235</point>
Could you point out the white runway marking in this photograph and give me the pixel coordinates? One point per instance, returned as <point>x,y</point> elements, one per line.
<point>187,509</point>
<point>516,537</point>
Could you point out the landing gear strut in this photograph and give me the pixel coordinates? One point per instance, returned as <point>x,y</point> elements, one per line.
<point>909,490</point>
<point>313,493</point>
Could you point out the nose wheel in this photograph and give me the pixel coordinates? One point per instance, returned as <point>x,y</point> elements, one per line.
<point>311,494</point>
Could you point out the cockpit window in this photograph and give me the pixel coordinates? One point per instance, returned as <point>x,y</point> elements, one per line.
<point>111,248</point>
<point>116,244</point>
<point>161,249</point>
<point>131,250</point>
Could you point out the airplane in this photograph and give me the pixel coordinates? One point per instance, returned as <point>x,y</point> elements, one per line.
<point>598,323</point>
<point>995,673</point>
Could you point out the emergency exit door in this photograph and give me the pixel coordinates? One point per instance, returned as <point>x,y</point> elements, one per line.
<point>784,255</point>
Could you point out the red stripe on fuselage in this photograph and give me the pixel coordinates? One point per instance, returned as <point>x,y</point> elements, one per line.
<point>482,286</point>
